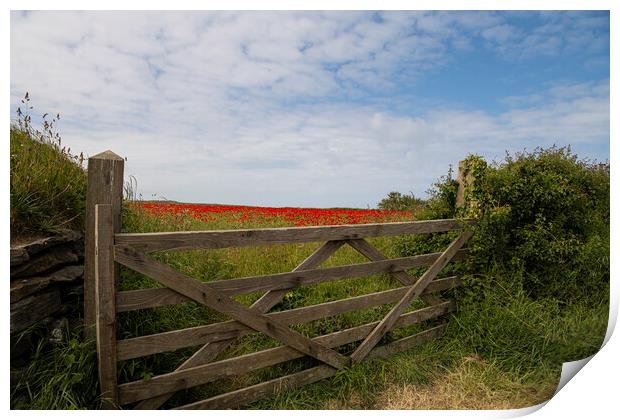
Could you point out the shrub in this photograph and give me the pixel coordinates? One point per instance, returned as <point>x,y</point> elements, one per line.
<point>545,215</point>
<point>400,202</point>
<point>48,183</point>
<point>542,216</point>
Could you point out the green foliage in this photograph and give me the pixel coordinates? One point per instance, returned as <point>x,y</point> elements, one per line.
<point>541,216</point>
<point>48,183</point>
<point>400,202</point>
<point>537,283</point>
<point>60,376</point>
<point>440,205</point>
<point>546,215</point>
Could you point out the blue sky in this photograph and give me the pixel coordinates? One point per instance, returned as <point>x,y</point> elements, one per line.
<point>313,108</point>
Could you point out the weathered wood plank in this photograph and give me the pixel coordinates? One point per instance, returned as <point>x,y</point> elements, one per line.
<point>104,304</point>
<point>151,298</point>
<point>245,396</point>
<point>187,378</point>
<point>173,340</point>
<point>104,186</point>
<point>210,350</point>
<point>253,393</point>
<point>205,294</point>
<point>414,291</point>
<point>162,241</point>
<point>373,254</point>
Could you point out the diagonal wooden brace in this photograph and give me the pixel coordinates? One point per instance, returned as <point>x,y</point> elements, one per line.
<point>210,351</point>
<point>373,254</point>
<point>206,295</point>
<point>416,289</point>
<point>273,297</point>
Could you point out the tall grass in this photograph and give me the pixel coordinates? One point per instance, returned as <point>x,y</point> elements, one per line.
<point>48,183</point>
<point>505,351</point>
<point>209,265</point>
<point>60,376</point>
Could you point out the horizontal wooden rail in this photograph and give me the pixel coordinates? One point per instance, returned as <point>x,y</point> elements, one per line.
<point>183,379</point>
<point>173,340</point>
<point>253,393</point>
<point>168,241</point>
<point>151,298</point>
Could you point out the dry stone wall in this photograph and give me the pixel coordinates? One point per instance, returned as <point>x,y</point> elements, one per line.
<point>47,288</point>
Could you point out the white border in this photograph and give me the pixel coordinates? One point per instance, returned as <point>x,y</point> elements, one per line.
<point>592,393</point>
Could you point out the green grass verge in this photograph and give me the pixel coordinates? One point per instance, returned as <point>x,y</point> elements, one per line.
<point>48,185</point>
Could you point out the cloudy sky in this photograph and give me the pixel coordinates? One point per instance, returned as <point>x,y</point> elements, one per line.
<point>312,108</point>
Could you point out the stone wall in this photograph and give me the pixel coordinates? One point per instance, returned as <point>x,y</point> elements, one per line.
<point>47,288</point>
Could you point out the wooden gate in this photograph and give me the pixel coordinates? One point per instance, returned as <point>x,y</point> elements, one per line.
<point>131,250</point>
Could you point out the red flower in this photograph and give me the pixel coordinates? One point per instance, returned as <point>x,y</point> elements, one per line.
<point>290,216</point>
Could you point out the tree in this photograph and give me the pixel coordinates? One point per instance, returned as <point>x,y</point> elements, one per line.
<point>400,202</point>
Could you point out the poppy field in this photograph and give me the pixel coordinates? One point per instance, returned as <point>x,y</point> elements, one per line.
<point>232,216</point>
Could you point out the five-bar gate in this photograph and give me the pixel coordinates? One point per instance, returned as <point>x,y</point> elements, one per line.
<point>131,250</point>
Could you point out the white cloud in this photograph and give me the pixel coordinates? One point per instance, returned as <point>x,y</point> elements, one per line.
<point>341,154</point>
<point>261,107</point>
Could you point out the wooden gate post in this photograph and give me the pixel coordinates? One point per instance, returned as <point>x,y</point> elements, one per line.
<point>465,179</point>
<point>105,186</point>
<point>105,304</point>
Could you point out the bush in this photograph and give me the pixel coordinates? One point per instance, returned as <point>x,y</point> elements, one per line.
<point>400,202</point>
<point>542,216</point>
<point>536,286</point>
<point>48,183</point>
<point>545,215</point>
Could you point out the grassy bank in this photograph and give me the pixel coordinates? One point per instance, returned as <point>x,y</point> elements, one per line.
<point>48,182</point>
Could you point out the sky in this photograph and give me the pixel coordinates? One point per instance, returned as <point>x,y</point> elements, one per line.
<point>319,109</point>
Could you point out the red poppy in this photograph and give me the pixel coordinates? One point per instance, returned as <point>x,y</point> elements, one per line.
<point>289,216</point>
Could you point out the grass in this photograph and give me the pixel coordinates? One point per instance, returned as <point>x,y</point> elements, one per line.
<point>501,351</point>
<point>509,357</point>
<point>48,184</point>
<point>472,384</point>
<point>60,376</point>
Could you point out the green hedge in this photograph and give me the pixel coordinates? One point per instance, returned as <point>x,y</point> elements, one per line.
<point>543,218</point>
